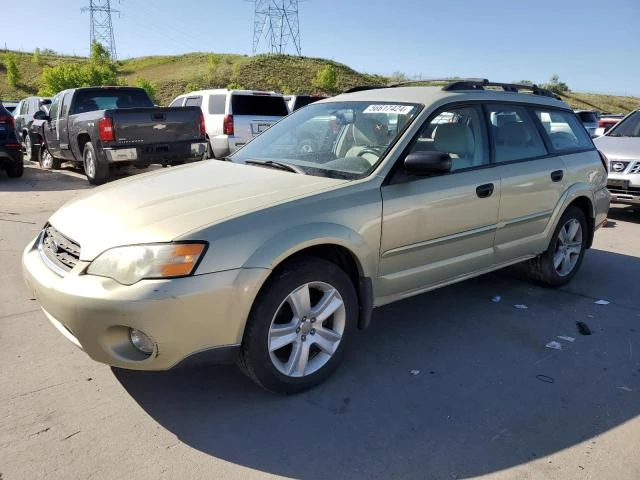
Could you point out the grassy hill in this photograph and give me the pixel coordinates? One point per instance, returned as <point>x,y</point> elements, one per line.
<point>173,75</point>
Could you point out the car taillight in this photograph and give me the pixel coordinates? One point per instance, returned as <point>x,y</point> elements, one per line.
<point>604,160</point>
<point>227,125</point>
<point>13,146</point>
<point>8,119</point>
<point>105,130</point>
<point>203,130</point>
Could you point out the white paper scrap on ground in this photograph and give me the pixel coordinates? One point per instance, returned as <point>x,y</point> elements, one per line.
<point>415,372</point>
<point>554,345</point>
<point>602,302</point>
<point>520,307</point>
<point>496,299</point>
<point>568,339</point>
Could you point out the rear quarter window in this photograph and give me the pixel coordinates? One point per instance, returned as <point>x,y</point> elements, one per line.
<point>262,105</point>
<point>564,130</point>
<point>193,101</point>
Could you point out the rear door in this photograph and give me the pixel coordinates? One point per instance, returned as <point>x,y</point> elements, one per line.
<point>51,133</point>
<point>532,181</point>
<point>63,126</point>
<point>253,113</point>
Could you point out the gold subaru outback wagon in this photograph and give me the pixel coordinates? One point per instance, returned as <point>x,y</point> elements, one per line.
<point>277,256</point>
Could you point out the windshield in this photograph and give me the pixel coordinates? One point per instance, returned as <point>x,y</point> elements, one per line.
<point>339,139</point>
<point>629,127</point>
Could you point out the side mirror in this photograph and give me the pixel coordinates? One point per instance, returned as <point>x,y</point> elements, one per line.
<point>40,115</point>
<point>427,163</point>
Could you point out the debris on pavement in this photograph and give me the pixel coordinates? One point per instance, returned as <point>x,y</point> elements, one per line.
<point>602,302</point>
<point>554,345</point>
<point>626,389</point>
<point>415,372</point>
<point>545,378</point>
<point>566,339</point>
<point>496,299</point>
<point>520,307</point>
<point>583,328</point>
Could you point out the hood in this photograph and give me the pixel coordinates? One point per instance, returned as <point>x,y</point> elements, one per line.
<point>619,148</point>
<point>164,205</point>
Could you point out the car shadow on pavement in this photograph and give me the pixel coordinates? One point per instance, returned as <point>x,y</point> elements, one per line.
<point>624,213</point>
<point>449,384</point>
<point>37,179</point>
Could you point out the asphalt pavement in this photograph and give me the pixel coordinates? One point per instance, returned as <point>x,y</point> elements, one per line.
<point>449,384</point>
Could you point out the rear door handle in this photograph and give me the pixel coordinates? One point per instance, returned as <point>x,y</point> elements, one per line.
<point>557,175</point>
<point>484,191</point>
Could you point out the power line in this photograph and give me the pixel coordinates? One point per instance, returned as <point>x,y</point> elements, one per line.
<point>101,27</point>
<point>276,22</point>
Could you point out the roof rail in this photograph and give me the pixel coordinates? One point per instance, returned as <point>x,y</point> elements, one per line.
<point>480,84</point>
<point>361,88</point>
<point>437,80</point>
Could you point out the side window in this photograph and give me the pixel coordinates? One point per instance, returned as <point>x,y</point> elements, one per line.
<point>515,136</point>
<point>458,132</point>
<point>177,102</point>
<point>53,110</point>
<point>564,129</point>
<point>217,104</point>
<point>24,107</point>
<point>65,104</point>
<point>193,101</point>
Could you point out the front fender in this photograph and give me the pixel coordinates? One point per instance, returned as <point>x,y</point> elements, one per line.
<point>288,242</point>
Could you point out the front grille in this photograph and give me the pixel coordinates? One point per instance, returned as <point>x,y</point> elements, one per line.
<point>61,252</point>
<point>618,166</point>
<point>635,191</point>
<point>635,168</point>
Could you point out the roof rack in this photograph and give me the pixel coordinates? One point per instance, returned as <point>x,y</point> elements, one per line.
<point>465,84</point>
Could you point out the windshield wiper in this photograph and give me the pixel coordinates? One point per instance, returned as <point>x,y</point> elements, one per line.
<point>279,165</point>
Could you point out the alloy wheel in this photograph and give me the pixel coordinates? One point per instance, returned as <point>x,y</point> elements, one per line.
<point>568,247</point>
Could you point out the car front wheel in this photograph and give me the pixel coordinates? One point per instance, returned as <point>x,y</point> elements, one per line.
<point>299,326</point>
<point>562,259</point>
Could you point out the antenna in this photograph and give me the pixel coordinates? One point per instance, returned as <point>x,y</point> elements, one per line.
<point>101,28</point>
<point>276,22</point>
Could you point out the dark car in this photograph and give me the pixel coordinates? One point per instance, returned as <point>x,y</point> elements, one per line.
<point>10,105</point>
<point>294,102</point>
<point>23,115</point>
<point>100,127</point>
<point>10,149</point>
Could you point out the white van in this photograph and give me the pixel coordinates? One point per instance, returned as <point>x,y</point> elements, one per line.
<point>233,117</point>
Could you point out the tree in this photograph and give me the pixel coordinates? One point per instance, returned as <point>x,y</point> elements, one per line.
<point>35,58</point>
<point>147,86</point>
<point>100,70</point>
<point>326,80</point>
<point>13,73</point>
<point>555,85</point>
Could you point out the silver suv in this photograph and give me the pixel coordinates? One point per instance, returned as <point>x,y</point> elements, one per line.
<point>276,257</point>
<point>233,117</point>
<point>621,145</point>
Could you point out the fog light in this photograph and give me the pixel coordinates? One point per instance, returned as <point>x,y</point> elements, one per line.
<point>141,341</point>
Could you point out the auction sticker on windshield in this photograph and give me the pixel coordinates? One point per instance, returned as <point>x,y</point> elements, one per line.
<point>399,109</point>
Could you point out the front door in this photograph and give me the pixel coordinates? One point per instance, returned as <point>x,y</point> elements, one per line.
<point>51,132</point>
<point>439,228</point>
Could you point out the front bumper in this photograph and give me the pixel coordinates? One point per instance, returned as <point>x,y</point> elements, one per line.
<point>183,316</point>
<point>624,188</point>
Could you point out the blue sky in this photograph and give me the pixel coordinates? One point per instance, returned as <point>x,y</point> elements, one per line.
<point>592,45</point>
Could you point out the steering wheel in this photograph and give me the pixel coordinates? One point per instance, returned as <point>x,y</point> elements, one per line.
<point>373,149</point>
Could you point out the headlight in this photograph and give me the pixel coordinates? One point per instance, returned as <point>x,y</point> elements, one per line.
<point>128,265</point>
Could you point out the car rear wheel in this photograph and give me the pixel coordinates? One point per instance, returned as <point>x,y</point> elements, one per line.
<point>562,259</point>
<point>15,170</point>
<point>299,326</point>
<point>47,161</point>
<point>97,172</point>
<point>31,152</point>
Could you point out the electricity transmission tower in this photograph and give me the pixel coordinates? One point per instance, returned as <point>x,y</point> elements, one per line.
<point>101,28</point>
<point>276,23</point>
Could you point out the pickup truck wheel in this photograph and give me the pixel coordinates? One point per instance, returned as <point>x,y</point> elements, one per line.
<point>97,172</point>
<point>30,150</point>
<point>299,326</point>
<point>208,155</point>
<point>47,161</point>
<point>562,259</point>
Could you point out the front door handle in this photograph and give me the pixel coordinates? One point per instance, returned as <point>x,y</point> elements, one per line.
<point>557,175</point>
<point>484,191</point>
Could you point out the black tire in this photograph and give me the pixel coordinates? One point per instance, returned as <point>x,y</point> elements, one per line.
<point>15,170</point>
<point>255,358</point>
<point>208,155</point>
<point>96,170</point>
<point>30,150</point>
<point>48,161</point>
<point>543,269</point>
